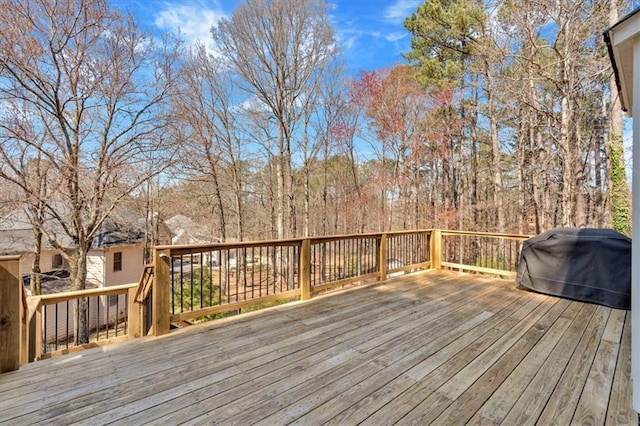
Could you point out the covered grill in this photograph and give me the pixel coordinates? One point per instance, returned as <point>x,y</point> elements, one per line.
<point>590,265</point>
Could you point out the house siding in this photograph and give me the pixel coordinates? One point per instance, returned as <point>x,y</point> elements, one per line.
<point>59,320</point>
<point>46,262</point>
<point>132,265</point>
<point>95,267</point>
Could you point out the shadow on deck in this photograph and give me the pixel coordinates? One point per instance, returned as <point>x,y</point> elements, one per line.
<point>436,346</point>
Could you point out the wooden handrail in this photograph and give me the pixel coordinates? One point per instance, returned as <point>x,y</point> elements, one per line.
<point>145,284</point>
<point>194,248</point>
<point>488,234</point>
<point>51,299</point>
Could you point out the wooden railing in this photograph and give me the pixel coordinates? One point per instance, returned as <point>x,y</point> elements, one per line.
<point>144,300</point>
<point>65,322</point>
<point>192,283</point>
<point>199,282</point>
<point>12,314</point>
<point>482,252</point>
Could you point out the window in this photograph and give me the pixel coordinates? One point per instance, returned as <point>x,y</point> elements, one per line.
<point>117,261</point>
<point>56,261</point>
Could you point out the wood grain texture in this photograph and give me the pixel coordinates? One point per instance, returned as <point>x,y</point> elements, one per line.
<point>619,411</point>
<point>10,314</point>
<point>435,346</point>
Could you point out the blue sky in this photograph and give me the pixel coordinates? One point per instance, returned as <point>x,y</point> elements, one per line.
<point>370,32</point>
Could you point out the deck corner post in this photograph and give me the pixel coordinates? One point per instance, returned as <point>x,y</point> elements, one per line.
<point>37,328</point>
<point>24,332</point>
<point>161,291</point>
<point>436,249</point>
<point>33,334</point>
<point>382,257</point>
<point>304,269</point>
<point>10,314</point>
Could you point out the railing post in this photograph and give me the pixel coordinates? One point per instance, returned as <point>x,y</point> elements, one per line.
<point>436,249</point>
<point>32,334</point>
<point>24,331</point>
<point>10,314</point>
<point>161,291</point>
<point>37,328</point>
<point>304,269</point>
<point>134,314</point>
<point>382,257</point>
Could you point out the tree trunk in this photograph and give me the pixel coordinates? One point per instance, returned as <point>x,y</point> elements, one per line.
<point>36,278</point>
<point>567,172</point>
<point>580,216</point>
<point>218,194</point>
<point>495,158</point>
<point>280,184</point>
<point>78,270</point>
<point>307,202</point>
<point>523,216</point>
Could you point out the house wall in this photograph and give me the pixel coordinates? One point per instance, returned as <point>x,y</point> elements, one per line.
<point>635,241</point>
<point>59,320</point>
<point>26,263</point>
<point>95,267</point>
<point>132,265</point>
<point>46,262</point>
<point>99,265</point>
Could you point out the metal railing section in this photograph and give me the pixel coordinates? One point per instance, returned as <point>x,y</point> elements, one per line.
<point>482,252</point>
<point>82,318</point>
<point>343,259</point>
<point>208,280</point>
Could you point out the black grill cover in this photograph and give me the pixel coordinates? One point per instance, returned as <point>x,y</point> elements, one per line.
<point>590,265</point>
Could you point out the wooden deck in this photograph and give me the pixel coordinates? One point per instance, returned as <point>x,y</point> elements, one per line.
<point>437,347</point>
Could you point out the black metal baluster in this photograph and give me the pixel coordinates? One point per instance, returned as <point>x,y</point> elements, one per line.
<point>173,288</point>
<point>67,330</point>
<point>201,280</point>
<point>98,322</point>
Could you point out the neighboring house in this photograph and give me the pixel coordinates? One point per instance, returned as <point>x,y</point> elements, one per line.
<point>186,231</point>
<point>117,256</point>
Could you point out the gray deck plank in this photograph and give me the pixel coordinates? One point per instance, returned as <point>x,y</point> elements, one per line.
<point>434,346</point>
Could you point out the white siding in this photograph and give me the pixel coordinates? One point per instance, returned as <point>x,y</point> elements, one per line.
<point>132,265</point>
<point>58,324</point>
<point>26,263</point>
<point>46,262</point>
<point>95,267</point>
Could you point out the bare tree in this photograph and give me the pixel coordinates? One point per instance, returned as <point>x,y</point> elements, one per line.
<point>214,134</point>
<point>93,87</point>
<point>279,48</point>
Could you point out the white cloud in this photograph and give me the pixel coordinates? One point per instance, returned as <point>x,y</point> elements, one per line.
<point>400,10</point>
<point>395,36</point>
<point>192,20</point>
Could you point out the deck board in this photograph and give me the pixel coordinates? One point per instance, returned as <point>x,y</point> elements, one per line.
<point>437,346</point>
<point>532,400</point>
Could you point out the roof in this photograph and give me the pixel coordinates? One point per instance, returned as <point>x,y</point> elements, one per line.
<point>185,237</point>
<point>16,241</point>
<point>619,40</point>
<point>124,227</point>
<point>15,220</point>
<point>187,231</point>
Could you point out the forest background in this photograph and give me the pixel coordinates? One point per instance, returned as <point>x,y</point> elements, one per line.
<point>505,117</point>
